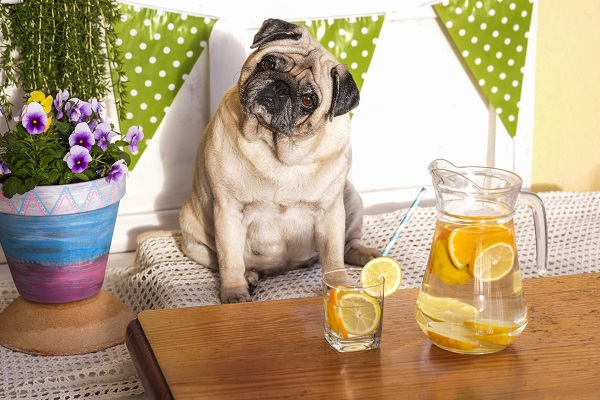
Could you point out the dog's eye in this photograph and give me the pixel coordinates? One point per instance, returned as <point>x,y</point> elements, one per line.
<point>267,65</point>
<point>307,101</point>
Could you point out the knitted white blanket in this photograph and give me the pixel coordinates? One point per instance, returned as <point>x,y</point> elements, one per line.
<point>164,278</point>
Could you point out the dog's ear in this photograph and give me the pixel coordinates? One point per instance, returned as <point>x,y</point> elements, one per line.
<point>276,29</point>
<point>345,92</point>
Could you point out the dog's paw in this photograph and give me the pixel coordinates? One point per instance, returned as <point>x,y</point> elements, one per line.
<point>235,295</point>
<point>252,277</point>
<point>360,255</point>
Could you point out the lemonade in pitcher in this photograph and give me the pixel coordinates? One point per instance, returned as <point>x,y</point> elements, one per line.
<point>471,300</point>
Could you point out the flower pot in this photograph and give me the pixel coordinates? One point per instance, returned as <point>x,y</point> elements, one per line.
<point>56,239</point>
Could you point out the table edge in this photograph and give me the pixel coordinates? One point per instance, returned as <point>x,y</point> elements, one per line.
<point>145,362</point>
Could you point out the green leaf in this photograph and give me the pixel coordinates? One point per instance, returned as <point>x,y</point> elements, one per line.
<point>45,160</point>
<point>30,183</point>
<point>11,187</point>
<point>63,127</point>
<point>60,153</point>
<point>20,163</point>
<point>126,157</point>
<point>53,175</point>
<point>82,177</point>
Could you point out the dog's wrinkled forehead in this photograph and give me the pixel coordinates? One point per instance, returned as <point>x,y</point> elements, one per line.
<point>285,37</point>
<point>276,29</point>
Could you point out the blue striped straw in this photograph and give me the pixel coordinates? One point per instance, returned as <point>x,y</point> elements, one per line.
<point>403,223</point>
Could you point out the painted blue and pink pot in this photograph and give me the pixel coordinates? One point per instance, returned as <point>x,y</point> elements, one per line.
<point>56,239</point>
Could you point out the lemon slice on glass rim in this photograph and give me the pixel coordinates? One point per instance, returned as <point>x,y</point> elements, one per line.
<point>381,266</point>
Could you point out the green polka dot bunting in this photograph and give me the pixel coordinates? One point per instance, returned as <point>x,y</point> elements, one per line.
<point>492,37</point>
<point>352,40</point>
<point>159,49</point>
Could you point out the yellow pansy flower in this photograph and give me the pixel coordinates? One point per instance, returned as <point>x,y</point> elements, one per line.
<point>48,125</point>
<point>40,97</point>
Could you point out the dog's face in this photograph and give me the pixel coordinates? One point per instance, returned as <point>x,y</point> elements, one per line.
<point>291,84</point>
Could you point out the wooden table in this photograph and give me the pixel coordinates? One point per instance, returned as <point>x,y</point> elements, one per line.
<point>276,350</point>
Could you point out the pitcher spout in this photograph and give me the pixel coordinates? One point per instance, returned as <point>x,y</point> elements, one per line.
<point>445,174</point>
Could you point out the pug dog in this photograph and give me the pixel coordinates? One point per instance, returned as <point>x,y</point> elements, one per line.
<point>270,190</point>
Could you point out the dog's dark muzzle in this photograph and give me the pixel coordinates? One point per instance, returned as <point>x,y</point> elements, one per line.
<point>275,97</point>
<point>272,102</point>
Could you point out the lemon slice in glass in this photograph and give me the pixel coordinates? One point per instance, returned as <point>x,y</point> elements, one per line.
<point>375,268</point>
<point>493,262</point>
<point>358,313</point>
<point>334,321</point>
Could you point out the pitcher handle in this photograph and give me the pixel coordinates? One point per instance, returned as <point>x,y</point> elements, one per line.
<point>539,222</point>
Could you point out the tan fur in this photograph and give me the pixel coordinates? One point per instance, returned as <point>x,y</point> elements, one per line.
<point>265,203</point>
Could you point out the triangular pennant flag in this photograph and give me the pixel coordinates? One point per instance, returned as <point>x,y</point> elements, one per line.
<point>159,49</point>
<point>351,39</point>
<point>491,36</point>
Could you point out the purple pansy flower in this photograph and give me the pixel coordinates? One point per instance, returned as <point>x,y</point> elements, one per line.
<point>4,168</point>
<point>134,136</point>
<point>96,108</point>
<point>61,96</point>
<point>117,170</point>
<point>78,110</point>
<point>103,135</point>
<point>78,158</point>
<point>82,136</point>
<point>92,124</point>
<point>34,118</point>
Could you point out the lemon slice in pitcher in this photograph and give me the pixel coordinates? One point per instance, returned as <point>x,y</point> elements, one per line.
<point>493,262</point>
<point>358,313</point>
<point>445,269</point>
<point>453,336</point>
<point>462,242</point>
<point>446,309</point>
<point>375,268</point>
<point>492,326</point>
<point>461,246</point>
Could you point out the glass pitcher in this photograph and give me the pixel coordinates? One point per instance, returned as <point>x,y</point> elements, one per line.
<point>471,300</point>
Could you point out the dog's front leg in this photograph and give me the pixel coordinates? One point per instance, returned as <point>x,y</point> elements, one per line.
<point>230,239</point>
<point>330,236</point>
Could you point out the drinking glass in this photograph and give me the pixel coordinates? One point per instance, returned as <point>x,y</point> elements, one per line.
<point>353,313</point>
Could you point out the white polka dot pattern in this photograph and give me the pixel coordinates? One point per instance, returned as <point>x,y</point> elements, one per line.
<point>159,50</point>
<point>492,36</point>
<point>352,40</point>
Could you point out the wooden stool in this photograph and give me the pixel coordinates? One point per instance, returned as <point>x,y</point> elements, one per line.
<point>95,323</point>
